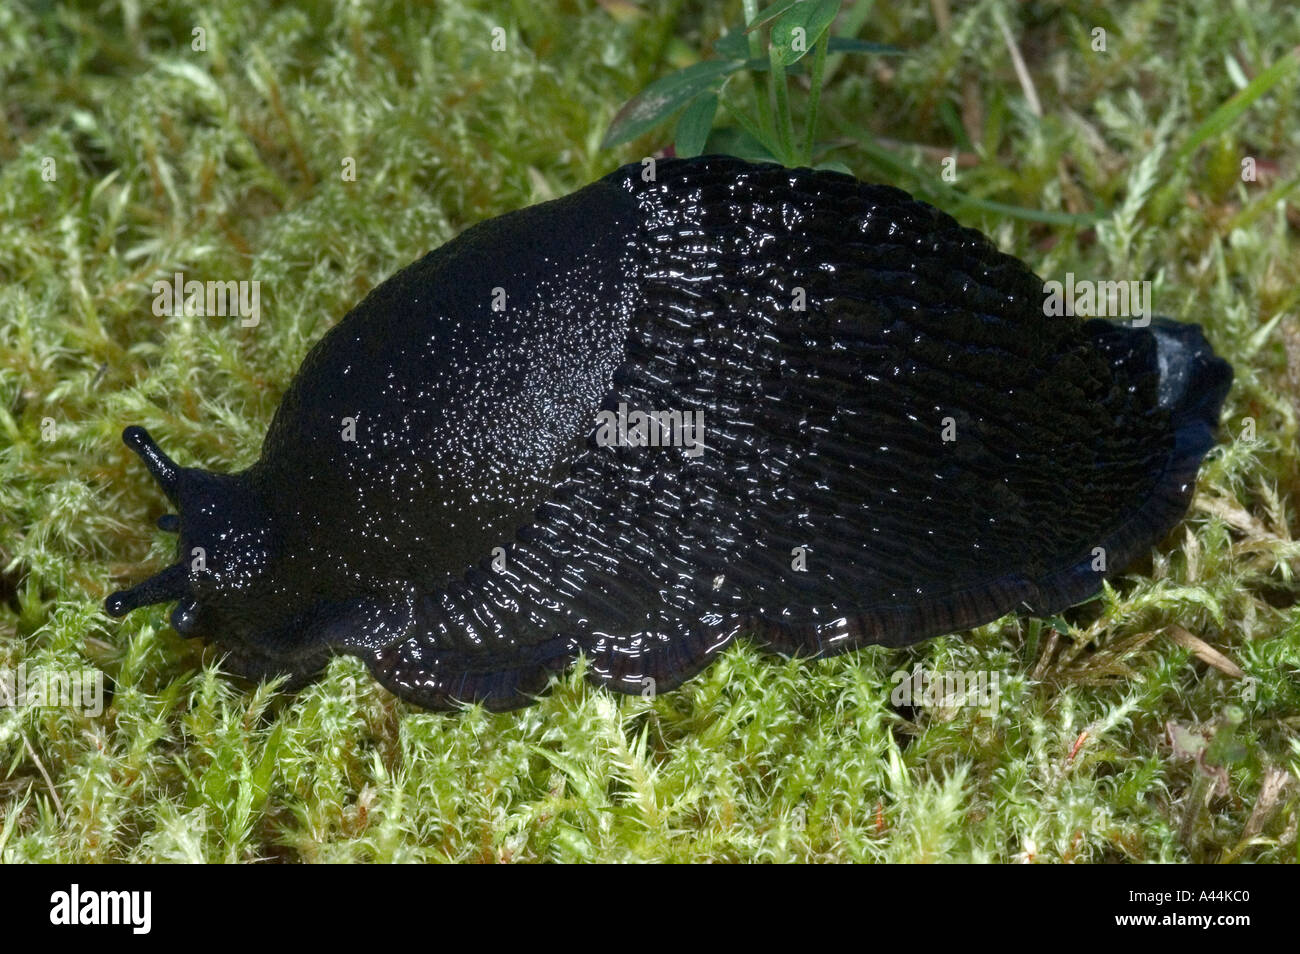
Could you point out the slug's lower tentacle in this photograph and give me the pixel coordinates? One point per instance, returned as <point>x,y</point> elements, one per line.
<point>163,587</point>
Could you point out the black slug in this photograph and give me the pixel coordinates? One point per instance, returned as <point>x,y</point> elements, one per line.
<point>694,400</point>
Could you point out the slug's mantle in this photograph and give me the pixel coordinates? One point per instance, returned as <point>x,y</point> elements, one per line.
<point>894,442</point>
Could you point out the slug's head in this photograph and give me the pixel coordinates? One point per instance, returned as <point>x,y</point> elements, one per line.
<point>223,578</point>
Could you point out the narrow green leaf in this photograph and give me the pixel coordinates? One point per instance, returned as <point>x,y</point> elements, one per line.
<point>951,199</point>
<point>769,13</point>
<point>1263,205</point>
<point>739,143</point>
<point>952,122</point>
<point>732,45</point>
<point>797,31</point>
<point>849,44</point>
<point>762,66</point>
<point>1227,113</point>
<point>665,96</point>
<point>1072,219</point>
<point>694,125</point>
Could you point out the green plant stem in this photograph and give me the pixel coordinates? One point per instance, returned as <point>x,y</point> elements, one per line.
<point>781,95</point>
<point>1192,811</point>
<point>814,96</point>
<point>746,123</point>
<point>761,96</point>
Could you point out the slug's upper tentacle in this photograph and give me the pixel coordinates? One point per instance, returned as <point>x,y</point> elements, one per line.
<point>162,467</point>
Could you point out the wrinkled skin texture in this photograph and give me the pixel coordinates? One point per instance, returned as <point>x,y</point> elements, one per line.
<point>897,443</point>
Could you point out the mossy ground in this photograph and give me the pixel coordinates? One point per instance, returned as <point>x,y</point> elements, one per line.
<point>225,164</point>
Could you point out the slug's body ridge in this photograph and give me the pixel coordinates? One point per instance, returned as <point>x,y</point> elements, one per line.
<point>667,410</point>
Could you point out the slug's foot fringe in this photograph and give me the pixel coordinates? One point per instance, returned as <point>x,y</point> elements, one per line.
<point>653,662</point>
<point>446,679</point>
<point>647,662</point>
<point>836,629</point>
<point>248,663</point>
<point>1194,383</point>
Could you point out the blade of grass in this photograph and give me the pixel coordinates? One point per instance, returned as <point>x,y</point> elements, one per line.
<point>1264,204</point>
<point>849,44</point>
<point>1071,219</point>
<point>1232,108</point>
<point>952,199</point>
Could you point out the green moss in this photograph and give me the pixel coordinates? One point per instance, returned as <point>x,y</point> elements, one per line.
<point>226,164</point>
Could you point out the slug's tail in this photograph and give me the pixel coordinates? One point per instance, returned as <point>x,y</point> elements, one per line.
<point>1194,383</point>
<point>1191,382</point>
